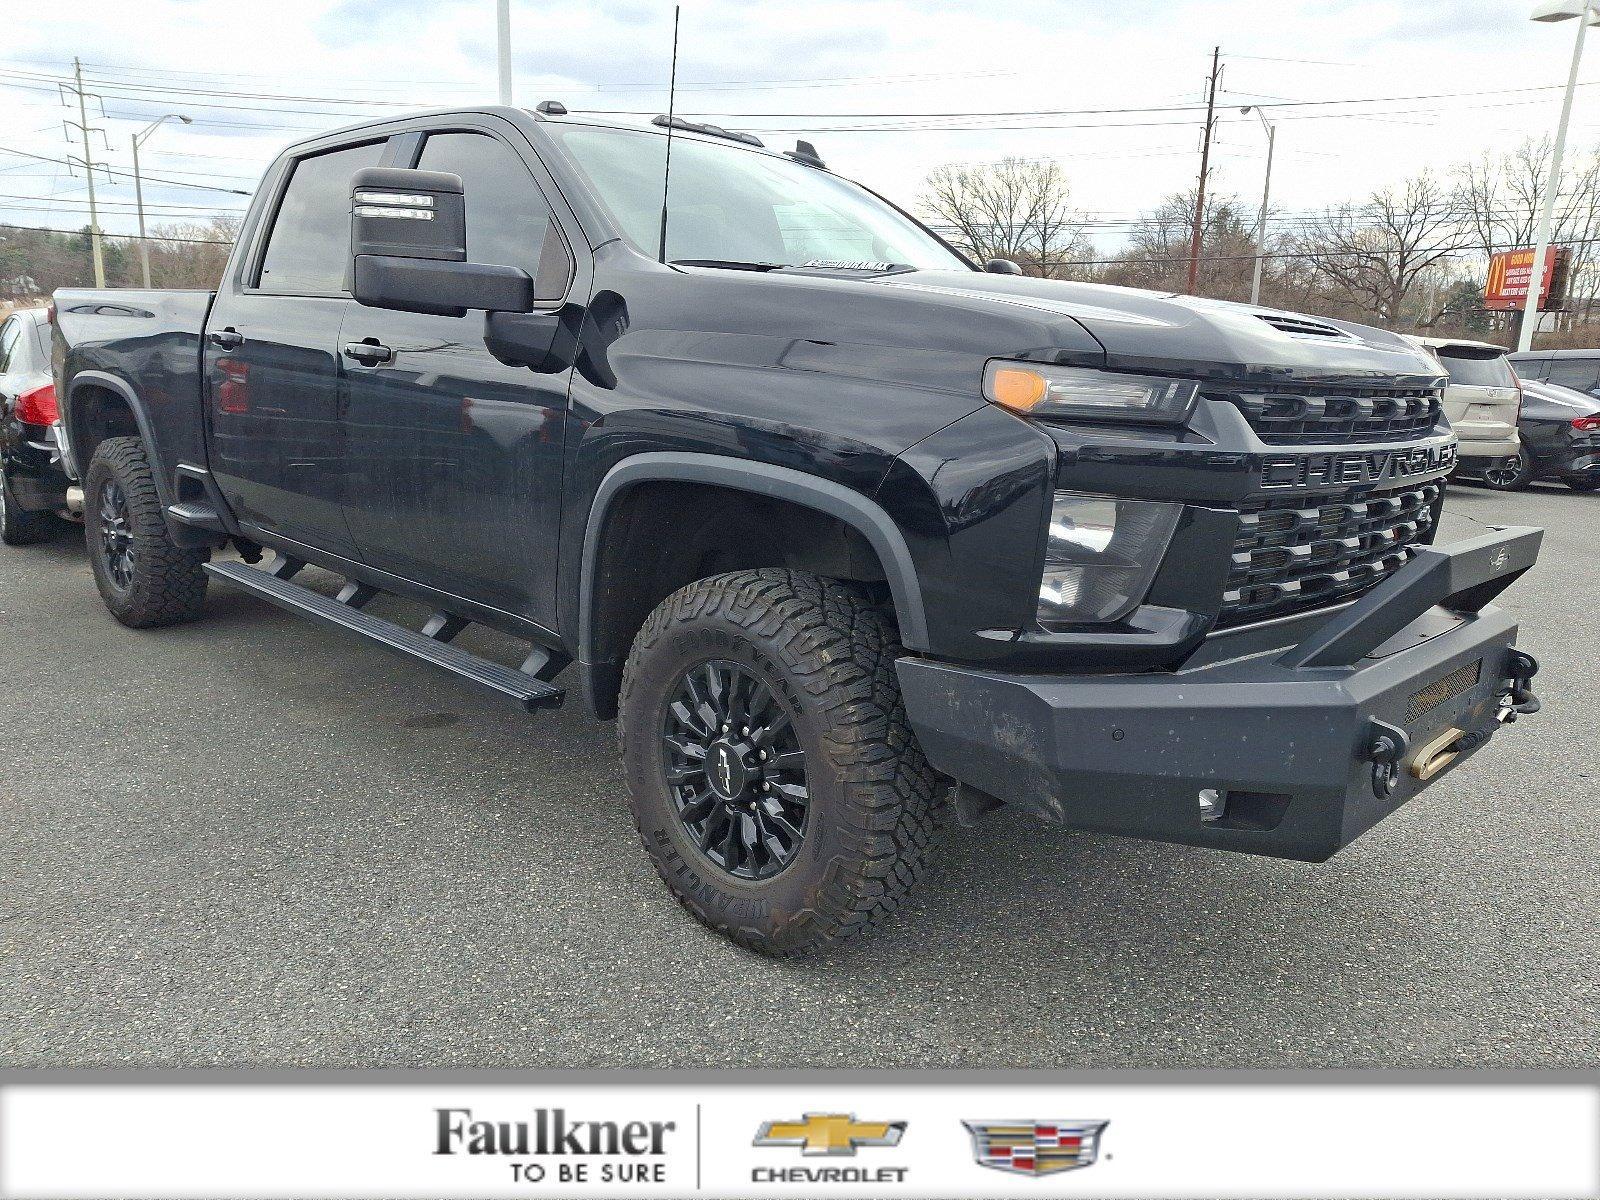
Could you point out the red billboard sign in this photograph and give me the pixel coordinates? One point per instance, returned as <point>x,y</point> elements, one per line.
<point>1507,285</point>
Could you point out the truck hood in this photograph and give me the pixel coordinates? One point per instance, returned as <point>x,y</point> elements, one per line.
<point>1190,335</point>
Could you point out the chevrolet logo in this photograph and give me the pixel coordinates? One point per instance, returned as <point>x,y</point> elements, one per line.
<point>830,1133</point>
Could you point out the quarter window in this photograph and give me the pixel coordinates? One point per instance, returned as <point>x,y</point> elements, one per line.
<point>310,241</point>
<point>10,335</point>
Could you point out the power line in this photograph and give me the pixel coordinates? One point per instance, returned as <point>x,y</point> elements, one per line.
<point>127,174</point>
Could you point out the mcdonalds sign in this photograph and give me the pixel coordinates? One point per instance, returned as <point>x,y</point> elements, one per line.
<point>1507,287</point>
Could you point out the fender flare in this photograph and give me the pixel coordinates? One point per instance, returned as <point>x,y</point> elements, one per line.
<point>763,479</point>
<point>112,383</point>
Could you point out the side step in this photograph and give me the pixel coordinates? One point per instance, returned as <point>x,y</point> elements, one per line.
<point>275,586</point>
<point>197,514</point>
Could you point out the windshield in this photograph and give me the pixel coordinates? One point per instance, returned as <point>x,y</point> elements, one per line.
<point>736,205</point>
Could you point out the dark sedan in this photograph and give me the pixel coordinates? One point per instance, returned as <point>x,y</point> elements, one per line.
<point>33,481</point>
<point>1560,431</point>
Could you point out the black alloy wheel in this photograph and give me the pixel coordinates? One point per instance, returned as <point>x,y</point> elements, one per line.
<point>116,535</point>
<point>735,770</point>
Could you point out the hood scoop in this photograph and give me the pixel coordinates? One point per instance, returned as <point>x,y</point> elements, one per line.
<point>1302,327</point>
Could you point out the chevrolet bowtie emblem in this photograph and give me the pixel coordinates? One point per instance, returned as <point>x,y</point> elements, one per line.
<point>830,1133</point>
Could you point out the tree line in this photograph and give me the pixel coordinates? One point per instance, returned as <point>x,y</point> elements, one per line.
<point>35,262</point>
<point>1412,256</point>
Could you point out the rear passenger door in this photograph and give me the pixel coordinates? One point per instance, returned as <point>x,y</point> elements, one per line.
<point>455,457</point>
<point>272,360</point>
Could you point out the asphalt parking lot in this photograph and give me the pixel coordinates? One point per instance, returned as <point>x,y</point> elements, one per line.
<point>255,842</point>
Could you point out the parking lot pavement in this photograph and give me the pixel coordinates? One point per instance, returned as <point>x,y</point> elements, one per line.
<point>253,841</point>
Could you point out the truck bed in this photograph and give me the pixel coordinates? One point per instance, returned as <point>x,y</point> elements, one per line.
<point>146,342</point>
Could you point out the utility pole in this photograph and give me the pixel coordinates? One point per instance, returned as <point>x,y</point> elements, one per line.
<point>505,51</point>
<point>1205,166</point>
<point>85,129</point>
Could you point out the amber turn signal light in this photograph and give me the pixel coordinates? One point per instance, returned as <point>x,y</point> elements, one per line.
<point>1017,388</point>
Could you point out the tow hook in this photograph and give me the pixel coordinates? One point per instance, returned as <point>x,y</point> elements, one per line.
<point>1518,699</point>
<point>1387,747</point>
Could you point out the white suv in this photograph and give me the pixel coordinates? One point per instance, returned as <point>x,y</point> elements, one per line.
<point>1483,400</point>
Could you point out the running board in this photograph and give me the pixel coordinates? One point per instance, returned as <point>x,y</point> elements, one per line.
<point>276,586</point>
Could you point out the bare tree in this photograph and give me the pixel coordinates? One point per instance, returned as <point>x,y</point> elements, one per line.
<point>1500,198</point>
<point>1157,253</point>
<point>1015,208</point>
<point>192,254</point>
<point>1372,255</point>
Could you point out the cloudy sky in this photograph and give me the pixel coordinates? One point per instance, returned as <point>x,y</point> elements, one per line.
<point>1364,92</point>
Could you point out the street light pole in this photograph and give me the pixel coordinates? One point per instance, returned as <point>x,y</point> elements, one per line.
<point>1552,10</point>
<point>1266,193</point>
<point>504,17</point>
<point>138,190</point>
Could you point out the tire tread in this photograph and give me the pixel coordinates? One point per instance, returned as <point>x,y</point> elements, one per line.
<point>840,647</point>
<point>169,585</point>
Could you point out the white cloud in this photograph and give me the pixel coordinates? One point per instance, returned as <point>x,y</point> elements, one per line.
<point>902,55</point>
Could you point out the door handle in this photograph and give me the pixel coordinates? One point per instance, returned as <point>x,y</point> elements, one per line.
<point>368,354</point>
<point>229,338</point>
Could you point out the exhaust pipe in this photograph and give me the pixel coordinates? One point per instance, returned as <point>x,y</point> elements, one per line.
<point>75,501</point>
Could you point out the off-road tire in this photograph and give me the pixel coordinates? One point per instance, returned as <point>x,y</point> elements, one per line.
<point>167,584</point>
<point>1503,479</point>
<point>18,526</point>
<point>827,652</point>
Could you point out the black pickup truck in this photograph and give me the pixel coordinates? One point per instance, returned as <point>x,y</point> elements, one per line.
<point>841,527</point>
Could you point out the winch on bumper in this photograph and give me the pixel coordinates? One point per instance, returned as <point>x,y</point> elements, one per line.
<point>1287,751</point>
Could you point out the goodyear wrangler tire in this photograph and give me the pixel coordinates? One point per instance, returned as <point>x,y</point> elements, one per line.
<point>774,780</point>
<point>144,578</point>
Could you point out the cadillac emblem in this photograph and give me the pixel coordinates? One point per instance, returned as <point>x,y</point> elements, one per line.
<point>1035,1147</point>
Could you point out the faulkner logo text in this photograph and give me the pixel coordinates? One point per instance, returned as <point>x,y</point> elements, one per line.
<point>623,1146</point>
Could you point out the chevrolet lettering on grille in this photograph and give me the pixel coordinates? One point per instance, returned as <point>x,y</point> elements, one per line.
<point>1367,466</point>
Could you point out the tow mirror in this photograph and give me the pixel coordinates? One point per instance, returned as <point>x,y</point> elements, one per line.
<point>408,248</point>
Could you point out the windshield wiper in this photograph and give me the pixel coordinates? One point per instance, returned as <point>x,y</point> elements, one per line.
<point>727,264</point>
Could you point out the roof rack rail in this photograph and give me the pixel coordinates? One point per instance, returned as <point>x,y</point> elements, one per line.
<point>667,122</point>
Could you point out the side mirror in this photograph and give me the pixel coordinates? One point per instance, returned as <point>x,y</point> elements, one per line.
<point>408,248</point>
<point>1002,266</point>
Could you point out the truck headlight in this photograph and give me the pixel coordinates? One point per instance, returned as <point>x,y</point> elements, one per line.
<point>1044,391</point>
<point>1101,556</point>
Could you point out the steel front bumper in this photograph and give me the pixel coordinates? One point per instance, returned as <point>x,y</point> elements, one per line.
<point>1292,752</point>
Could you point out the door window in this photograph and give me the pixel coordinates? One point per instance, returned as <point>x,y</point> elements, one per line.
<point>508,221</point>
<point>1580,373</point>
<point>310,241</point>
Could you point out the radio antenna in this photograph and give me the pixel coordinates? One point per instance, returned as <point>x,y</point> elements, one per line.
<point>672,98</point>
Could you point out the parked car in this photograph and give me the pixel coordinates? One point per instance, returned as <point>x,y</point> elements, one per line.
<point>1481,400</point>
<point>33,482</point>
<point>1575,369</point>
<point>1560,430</point>
<point>836,524</point>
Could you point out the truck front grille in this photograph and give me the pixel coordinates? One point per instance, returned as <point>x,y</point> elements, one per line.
<point>1294,417</point>
<point>1304,552</point>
